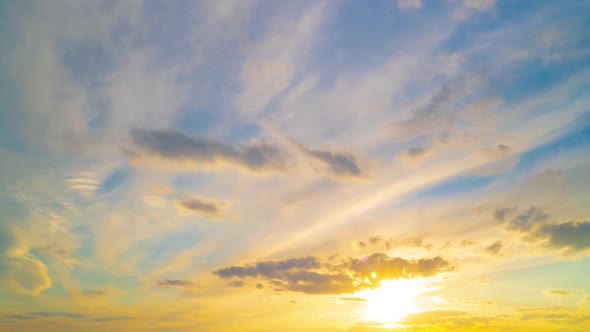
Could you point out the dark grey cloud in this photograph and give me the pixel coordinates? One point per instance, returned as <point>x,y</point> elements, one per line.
<point>269,268</point>
<point>177,146</point>
<point>331,161</point>
<point>210,208</point>
<point>167,283</point>
<point>259,286</point>
<point>57,314</point>
<point>494,248</point>
<point>535,226</point>
<point>309,275</point>
<point>256,156</point>
<point>572,234</point>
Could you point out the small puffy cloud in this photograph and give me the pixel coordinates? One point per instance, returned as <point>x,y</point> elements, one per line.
<point>210,208</point>
<point>494,248</point>
<point>177,146</point>
<point>559,292</point>
<point>409,4</point>
<point>182,283</point>
<point>310,275</point>
<point>535,226</point>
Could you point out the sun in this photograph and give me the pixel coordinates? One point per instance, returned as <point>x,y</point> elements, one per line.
<point>392,300</point>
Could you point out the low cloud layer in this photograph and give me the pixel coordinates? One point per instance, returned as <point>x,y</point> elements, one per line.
<point>535,225</point>
<point>310,275</point>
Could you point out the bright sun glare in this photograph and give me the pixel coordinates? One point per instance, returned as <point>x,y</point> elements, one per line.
<point>392,300</point>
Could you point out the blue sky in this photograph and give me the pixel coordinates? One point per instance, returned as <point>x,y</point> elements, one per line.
<point>181,165</point>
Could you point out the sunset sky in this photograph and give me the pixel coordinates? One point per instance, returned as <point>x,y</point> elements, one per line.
<point>314,166</point>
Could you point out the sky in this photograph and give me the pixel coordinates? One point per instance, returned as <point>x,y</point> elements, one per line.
<point>340,165</point>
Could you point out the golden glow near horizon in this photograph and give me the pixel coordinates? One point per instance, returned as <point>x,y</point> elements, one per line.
<point>391,301</point>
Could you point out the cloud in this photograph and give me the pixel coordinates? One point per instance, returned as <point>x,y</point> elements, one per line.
<point>177,146</point>
<point>409,4</point>
<point>573,235</point>
<point>22,272</point>
<point>237,283</point>
<point>353,299</point>
<point>378,241</point>
<point>481,5</point>
<point>19,317</point>
<point>112,319</point>
<point>559,292</point>
<point>94,293</point>
<point>501,214</point>
<point>498,151</point>
<point>418,152</point>
<point>494,248</point>
<point>535,226</point>
<point>210,208</point>
<point>331,161</point>
<point>444,109</point>
<point>57,314</point>
<point>309,275</point>
<point>183,283</point>
<point>256,156</point>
